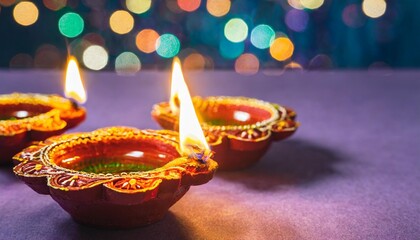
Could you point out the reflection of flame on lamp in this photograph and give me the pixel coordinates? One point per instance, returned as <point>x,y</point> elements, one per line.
<point>74,86</point>
<point>192,140</point>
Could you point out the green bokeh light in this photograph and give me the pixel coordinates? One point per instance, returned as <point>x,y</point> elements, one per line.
<point>236,30</point>
<point>71,24</point>
<point>262,36</point>
<point>127,63</point>
<point>167,45</point>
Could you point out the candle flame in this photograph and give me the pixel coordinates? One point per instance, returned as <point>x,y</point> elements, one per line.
<point>74,86</point>
<point>175,83</point>
<point>192,139</point>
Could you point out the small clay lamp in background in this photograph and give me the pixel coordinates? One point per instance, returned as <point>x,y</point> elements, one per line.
<point>28,117</point>
<point>238,129</point>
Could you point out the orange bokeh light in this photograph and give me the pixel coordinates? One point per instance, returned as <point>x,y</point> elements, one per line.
<point>194,61</point>
<point>7,3</point>
<point>247,64</point>
<point>146,40</point>
<point>54,4</point>
<point>218,8</point>
<point>189,5</point>
<point>282,48</point>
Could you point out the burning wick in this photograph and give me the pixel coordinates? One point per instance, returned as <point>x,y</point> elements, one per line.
<point>199,154</point>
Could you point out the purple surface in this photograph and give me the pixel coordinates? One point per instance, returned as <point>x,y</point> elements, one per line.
<point>352,170</point>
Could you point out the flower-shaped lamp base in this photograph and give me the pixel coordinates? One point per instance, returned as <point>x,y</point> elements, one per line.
<point>115,177</point>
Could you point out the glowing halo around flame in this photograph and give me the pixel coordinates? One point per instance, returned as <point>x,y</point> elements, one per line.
<point>74,87</point>
<point>190,133</point>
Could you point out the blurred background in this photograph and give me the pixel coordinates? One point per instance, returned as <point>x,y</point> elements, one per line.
<point>247,36</point>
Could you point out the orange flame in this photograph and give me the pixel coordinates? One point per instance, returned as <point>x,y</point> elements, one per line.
<point>190,133</point>
<point>74,86</point>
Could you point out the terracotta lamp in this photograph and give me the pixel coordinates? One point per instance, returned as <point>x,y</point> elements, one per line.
<point>25,118</point>
<point>119,177</point>
<point>238,129</point>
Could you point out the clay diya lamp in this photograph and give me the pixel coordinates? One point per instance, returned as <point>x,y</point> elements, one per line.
<point>238,129</point>
<point>25,118</point>
<point>119,177</point>
<point>114,177</point>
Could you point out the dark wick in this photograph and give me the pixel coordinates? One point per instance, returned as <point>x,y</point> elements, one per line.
<point>199,154</point>
<point>74,104</point>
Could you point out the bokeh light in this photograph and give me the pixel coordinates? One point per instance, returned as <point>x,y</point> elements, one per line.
<point>94,39</point>
<point>311,4</point>
<point>236,30</point>
<point>127,63</point>
<point>25,13</point>
<point>230,50</point>
<point>247,64</point>
<point>218,8</point>
<point>293,66</point>
<point>7,3</point>
<point>320,62</point>
<point>295,4</point>
<point>281,49</point>
<point>54,4</point>
<point>78,46</point>
<point>146,40</point>
<point>48,56</point>
<point>21,60</point>
<point>189,5</point>
<point>297,20</point>
<point>138,6</point>
<point>353,16</point>
<point>167,45</point>
<point>374,8</point>
<point>121,22</point>
<point>194,61</point>
<point>262,36</point>
<point>71,24</point>
<point>95,57</point>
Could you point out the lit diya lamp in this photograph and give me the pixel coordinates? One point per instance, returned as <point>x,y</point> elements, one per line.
<point>120,177</point>
<point>25,118</point>
<point>238,129</point>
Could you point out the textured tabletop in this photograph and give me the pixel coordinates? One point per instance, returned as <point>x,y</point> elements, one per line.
<point>352,170</point>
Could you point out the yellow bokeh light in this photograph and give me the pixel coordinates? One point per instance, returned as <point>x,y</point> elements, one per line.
<point>295,4</point>
<point>121,22</point>
<point>138,6</point>
<point>218,8</point>
<point>311,4</point>
<point>194,61</point>
<point>282,48</point>
<point>374,8</point>
<point>247,64</point>
<point>146,40</point>
<point>25,13</point>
